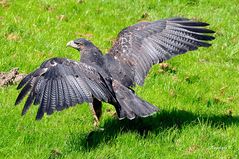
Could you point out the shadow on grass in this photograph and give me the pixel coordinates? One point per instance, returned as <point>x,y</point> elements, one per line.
<point>154,124</point>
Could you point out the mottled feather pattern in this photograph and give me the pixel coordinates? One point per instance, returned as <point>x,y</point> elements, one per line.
<point>158,41</point>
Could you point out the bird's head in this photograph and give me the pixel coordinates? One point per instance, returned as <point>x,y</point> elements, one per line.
<point>79,44</point>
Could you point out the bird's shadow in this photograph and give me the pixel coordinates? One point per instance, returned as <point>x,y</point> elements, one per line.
<point>154,124</point>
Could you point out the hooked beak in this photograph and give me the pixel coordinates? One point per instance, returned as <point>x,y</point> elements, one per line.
<point>72,44</point>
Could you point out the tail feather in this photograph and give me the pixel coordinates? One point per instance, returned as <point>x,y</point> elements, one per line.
<point>130,105</point>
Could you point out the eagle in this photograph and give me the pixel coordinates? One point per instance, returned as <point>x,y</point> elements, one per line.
<point>60,83</point>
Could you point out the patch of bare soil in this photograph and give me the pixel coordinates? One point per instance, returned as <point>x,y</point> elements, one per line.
<point>13,37</point>
<point>11,77</point>
<point>62,18</point>
<point>165,67</point>
<point>4,3</point>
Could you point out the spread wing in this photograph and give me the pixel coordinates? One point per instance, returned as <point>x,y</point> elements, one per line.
<point>60,83</point>
<point>147,43</point>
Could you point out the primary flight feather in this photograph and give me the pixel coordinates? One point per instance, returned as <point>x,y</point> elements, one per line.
<point>60,83</point>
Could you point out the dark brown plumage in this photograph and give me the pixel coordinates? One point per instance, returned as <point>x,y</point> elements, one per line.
<point>60,83</point>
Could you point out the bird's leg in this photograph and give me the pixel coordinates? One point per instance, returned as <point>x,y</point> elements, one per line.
<point>96,108</point>
<point>96,119</point>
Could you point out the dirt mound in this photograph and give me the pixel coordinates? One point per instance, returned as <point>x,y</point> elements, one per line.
<point>11,77</point>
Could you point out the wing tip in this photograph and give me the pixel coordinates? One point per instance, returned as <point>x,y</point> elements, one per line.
<point>23,113</point>
<point>40,114</point>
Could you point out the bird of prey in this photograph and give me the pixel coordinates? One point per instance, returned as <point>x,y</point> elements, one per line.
<point>60,83</point>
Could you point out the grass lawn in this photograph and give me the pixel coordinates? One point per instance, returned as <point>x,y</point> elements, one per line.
<point>198,96</point>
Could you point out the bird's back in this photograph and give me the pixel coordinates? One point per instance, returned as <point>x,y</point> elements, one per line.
<point>119,71</point>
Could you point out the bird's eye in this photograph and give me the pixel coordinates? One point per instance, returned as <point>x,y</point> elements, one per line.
<point>78,43</point>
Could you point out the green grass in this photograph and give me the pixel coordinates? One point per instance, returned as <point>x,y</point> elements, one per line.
<point>199,101</point>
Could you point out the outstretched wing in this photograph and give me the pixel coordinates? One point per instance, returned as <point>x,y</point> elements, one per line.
<point>60,83</point>
<point>142,45</point>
